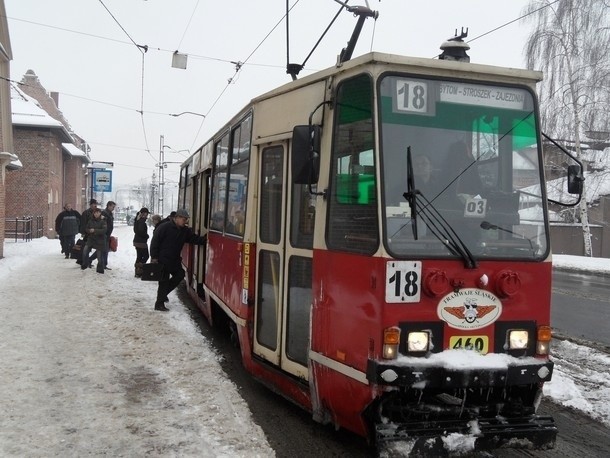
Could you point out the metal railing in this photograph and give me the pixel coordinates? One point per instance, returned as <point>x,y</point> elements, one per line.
<point>24,228</point>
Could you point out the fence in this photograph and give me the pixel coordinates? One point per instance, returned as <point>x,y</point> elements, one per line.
<point>25,228</point>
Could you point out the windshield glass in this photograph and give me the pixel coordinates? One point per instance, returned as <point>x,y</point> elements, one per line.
<point>475,168</point>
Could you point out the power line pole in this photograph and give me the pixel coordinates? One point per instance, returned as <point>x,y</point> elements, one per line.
<point>161,174</point>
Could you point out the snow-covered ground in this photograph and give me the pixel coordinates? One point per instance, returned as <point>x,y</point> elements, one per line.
<point>88,368</point>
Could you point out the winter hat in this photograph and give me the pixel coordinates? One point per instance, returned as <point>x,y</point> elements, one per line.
<point>143,210</point>
<point>183,212</point>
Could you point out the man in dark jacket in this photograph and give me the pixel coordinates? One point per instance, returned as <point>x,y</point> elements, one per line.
<point>140,239</point>
<point>84,220</point>
<point>96,231</point>
<point>67,226</point>
<point>109,218</point>
<point>166,247</point>
<point>86,216</point>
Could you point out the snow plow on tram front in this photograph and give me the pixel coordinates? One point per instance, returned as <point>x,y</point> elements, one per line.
<point>378,241</point>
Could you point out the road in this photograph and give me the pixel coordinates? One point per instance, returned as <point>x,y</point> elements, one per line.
<point>292,433</point>
<point>580,307</point>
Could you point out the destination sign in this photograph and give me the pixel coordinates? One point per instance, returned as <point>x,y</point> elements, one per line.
<point>489,96</point>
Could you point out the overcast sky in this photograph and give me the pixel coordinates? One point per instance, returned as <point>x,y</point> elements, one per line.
<point>77,49</point>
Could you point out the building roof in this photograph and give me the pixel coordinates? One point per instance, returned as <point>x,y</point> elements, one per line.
<point>28,112</point>
<point>75,151</point>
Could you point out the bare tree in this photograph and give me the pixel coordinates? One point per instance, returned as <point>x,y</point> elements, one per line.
<point>571,44</point>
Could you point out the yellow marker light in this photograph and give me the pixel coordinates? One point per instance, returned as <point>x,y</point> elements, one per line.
<point>391,339</point>
<point>517,339</point>
<point>418,341</point>
<point>543,346</point>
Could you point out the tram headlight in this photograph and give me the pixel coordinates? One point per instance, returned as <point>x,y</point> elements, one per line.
<point>418,341</point>
<point>518,339</point>
<point>391,340</point>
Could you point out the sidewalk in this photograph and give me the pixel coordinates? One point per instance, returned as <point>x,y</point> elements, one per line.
<point>88,368</point>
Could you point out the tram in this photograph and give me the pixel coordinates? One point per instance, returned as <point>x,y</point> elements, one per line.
<point>378,241</point>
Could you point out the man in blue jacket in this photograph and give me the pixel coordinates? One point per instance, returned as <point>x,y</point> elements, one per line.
<point>166,247</point>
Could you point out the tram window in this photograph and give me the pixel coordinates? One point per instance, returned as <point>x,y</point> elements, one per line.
<point>352,219</point>
<point>238,177</point>
<point>299,304</point>
<point>268,299</point>
<point>303,216</point>
<point>272,179</point>
<point>219,184</point>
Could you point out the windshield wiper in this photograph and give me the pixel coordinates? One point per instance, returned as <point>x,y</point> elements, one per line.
<point>433,220</point>
<point>411,194</point>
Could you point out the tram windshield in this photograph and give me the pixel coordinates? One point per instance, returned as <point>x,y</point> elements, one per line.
<point>470,153</point>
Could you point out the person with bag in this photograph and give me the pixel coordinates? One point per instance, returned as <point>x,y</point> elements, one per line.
<point>67,226</point>
<point>84,220</point>
<point>96,239</point>
<point>140,240</point>
<point>166,247</point>
<point>109,217</point>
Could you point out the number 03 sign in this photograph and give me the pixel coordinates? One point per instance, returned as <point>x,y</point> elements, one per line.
<point>403,281</point>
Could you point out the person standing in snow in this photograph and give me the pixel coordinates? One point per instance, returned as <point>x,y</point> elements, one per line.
<point>109,218</point>
<point>166,247</point>
<point>96,239</point>
<point>140,240</point>
<point>86,216</point>
<point>67,225</point>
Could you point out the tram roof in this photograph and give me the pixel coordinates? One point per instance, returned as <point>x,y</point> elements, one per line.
<point>391,62</point>
<point>414,64</point>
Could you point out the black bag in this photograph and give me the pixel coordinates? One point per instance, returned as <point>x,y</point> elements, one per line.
<point>77,251</point>
<point>152,272</point>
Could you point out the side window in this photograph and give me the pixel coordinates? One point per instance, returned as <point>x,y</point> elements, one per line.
<point>352,219</point>
<point>219,184</point>
<point>230,179</point>
<point>272,179</point>
<point>303,210</point>
<point>238,177</point>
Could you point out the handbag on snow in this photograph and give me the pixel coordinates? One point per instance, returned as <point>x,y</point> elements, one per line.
<point>113,243</point>
<point>77,250</point>
<point>152,272</point>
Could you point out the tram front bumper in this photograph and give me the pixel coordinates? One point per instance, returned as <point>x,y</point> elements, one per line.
<point>413,375</point>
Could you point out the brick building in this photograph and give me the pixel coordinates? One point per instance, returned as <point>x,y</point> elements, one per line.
<point>53,167</point>
<point>6,133</point>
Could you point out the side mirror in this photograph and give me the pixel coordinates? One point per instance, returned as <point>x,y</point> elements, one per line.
<point>575,179</point>
<point>305,154</point>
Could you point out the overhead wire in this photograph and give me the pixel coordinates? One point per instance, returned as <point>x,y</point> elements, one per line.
<point>150,48</point>
<point>238,64</point>
<point>510,22</point>
<point>238,67</point>
<point>143,49</point>
<point>188,25</point>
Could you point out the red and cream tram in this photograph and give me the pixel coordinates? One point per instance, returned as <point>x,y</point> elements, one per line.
<point>378,239</point>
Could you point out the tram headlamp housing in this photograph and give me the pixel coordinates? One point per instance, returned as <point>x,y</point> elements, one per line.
<point>518,339</point>
<point>391,340</point>
<point>543,344</point>
<point>418,341</point>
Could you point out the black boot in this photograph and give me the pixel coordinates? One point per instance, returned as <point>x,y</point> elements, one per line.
<point>161,308</point>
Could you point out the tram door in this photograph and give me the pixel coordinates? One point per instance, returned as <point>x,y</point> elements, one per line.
<point>283,289</point>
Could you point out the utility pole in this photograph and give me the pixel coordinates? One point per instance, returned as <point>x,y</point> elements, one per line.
<point>161,174</point>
